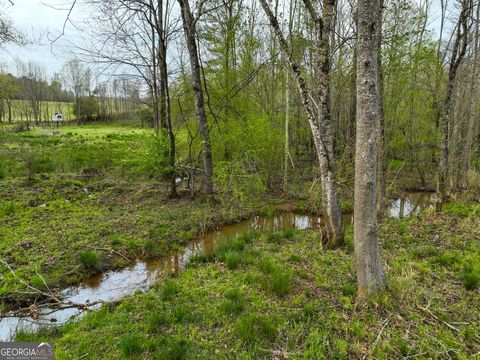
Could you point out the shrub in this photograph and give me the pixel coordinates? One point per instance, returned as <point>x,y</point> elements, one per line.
<point>90,259</point>
<point>156,159</point>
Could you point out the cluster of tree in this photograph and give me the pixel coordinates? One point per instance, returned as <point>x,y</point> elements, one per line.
<point>30,97</point>
<point>336,80</point>
<point>261,88</point>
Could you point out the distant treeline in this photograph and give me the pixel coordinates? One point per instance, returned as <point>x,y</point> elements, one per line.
<point>32,98</point>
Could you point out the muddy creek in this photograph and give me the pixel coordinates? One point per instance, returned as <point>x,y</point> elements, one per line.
<point>113,285</point>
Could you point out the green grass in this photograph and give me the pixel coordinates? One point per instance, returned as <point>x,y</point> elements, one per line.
<point>71,202</point>
<point>213,311</point>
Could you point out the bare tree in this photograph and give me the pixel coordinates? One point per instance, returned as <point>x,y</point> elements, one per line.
<point>78,78</point>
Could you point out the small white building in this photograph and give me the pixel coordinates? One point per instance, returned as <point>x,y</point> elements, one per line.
<point>57,117</point>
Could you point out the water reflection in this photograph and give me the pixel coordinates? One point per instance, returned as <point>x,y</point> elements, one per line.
<point>409,204</point>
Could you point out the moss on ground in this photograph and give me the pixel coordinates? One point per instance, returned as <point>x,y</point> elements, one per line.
<point>282,296</point>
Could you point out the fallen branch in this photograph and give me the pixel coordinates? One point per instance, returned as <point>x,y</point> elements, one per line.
<point>429,312</point>
<point>385,323</point>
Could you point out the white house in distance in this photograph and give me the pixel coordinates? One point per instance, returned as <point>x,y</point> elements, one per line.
<point>57,117</point>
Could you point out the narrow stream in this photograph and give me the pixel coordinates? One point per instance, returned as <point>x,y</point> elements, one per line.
<point>113,285</point>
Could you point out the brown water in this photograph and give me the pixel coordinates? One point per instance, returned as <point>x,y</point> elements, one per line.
<point>114,285</point>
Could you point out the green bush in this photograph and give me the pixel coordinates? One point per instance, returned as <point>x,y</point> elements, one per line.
<point>88,107</point>
<point>156,157</point>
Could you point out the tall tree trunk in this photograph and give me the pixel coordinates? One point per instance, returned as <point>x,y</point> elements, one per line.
<point>382,143</point>
<point>370,276</point>
<point>458,53</point>
<point>78,108</point>
<point>334,226</point>
<point>331,208</point>
<point>473,106</point>
<point>287,125</point>
<point>190,36</point>
<point>165,108</point>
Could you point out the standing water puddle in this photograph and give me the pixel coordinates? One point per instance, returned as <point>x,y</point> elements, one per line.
<point>113,285</point>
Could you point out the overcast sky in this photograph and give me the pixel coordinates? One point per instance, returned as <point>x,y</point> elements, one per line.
<point>43,21</point>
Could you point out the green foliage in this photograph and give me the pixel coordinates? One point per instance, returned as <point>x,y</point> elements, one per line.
<point>233,259</point>
<point>281,280</point>
<point>88,107</point>
<point>278,236</point>
<point>90,259</point>
<point>145,114</point>
<point>461,209</point>
<point>131,345</point>
<point>170,289</point>
<point>156,159</point>
<point>234,302</point>
<point>471,276</point>
<point>7,208</point>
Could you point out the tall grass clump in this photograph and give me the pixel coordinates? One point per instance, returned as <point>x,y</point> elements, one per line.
<point>90,259</point>
<point>254,327</point>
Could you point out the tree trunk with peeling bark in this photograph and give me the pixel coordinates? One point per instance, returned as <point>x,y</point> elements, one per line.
<point>321,129</point>
<point>370,276</point>
<point>331,208</point>
<point>190,36</point>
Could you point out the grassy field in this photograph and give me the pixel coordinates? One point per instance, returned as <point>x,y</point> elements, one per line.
<point>21,110</point>
<point>72,201</point>
<point>281,296</point>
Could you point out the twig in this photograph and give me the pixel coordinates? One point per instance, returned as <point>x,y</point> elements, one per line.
<point>385,323</point>
<point>429,312</point>
<point>109,250</point>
